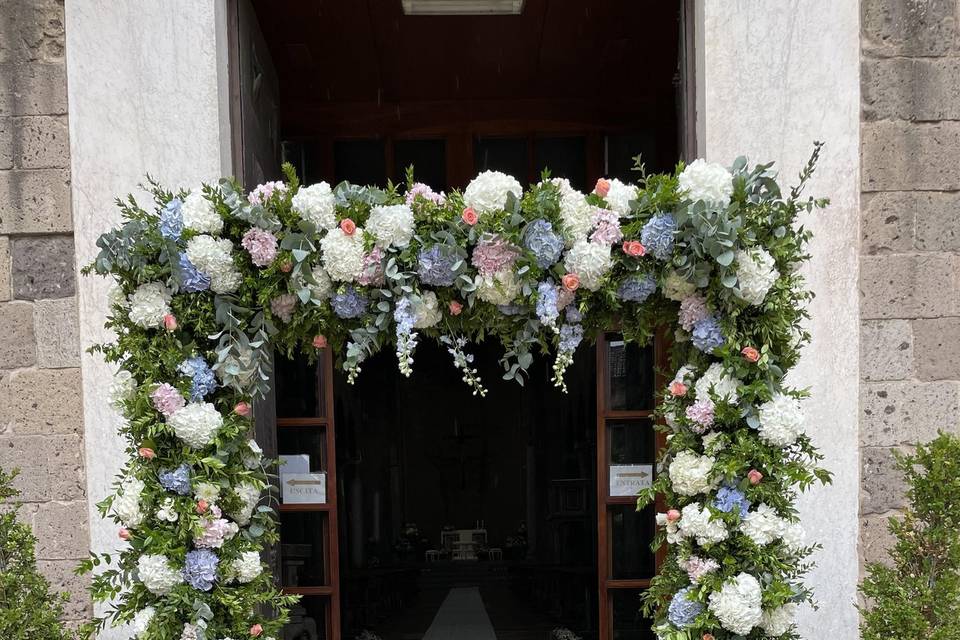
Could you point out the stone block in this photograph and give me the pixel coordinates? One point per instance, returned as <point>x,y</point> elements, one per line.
<point>41,142</point>
<point>33,88</point>
<point>937,348</point>
<point>62,580</point>
<point>41,402</point>
<point>886,350</point>
<point>57,327</point>
<point>881,483</point>
<point>38,25</point>
<point>937,221</point>
<point>908,28</point>
<point>909,286</point>
<point>43,267</point>
<point>35,201</point>
<point>907,412</point>
<point>905,156</point>
<point>887,222</point>
<point>876,539</point>
<point>51,467</point>
<point>923,89</point>
<point>6,143</point>
<point>18,347</point>
<point>61,530</point>
<point>5,268</point>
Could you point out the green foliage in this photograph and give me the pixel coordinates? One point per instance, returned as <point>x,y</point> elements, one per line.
<point>917,595</point>
<point>28,610</point>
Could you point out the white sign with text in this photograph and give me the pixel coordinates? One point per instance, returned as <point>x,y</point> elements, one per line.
<point>629,479</point>
<point>304,488</point>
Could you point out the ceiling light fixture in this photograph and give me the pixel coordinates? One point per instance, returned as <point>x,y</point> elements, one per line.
<point>462,7</point>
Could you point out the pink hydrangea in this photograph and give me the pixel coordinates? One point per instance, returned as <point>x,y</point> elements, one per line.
<point>263,191</point>
<point>697,567</point>
<point>215,530</point>
<point>261,244</point>
<point>494,254</point>
<point>166,399</point>
<point>372,270</point>
<point>564,297</point>
<point>606,227</point>
<point>693,309</point>
<point>701,413</point>
<point>283,306</point>
<point>425,192</point>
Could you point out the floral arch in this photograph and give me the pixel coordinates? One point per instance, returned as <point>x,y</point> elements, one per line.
<point>209,282</point>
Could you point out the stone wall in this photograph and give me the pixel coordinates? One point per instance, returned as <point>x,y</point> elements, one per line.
<point>41,412</point>
<point>910,242</point>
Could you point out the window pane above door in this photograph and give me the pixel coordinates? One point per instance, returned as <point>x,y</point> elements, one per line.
<point>632,442</point>
<point>630,375</point>
<point>508,155</point>
<point>361,162</point>
<point>298,385</point>
<point>631,533</point>
<point>565,157</point>
<point>628,622</point>
<point>429,159</point>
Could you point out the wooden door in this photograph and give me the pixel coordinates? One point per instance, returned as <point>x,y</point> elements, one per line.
<point>627,380</point>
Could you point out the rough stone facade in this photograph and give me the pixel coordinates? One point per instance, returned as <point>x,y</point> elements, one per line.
<point>910,235</point>
<point>41,415</point>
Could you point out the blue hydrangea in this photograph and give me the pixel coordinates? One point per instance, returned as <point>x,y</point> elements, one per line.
<point>547,303</point>
<point>435,265</point>
<point>200,569</point>
<point>543,242</point>
<point>637,287</point>
<point>573,314</point>
<point>204,381</point>
<point>510,309</point>
<point>707,335</point>
<point>683,611</point>
<point>349,303</point>
<point>570,337</point>
<point>657,236</point>
<point>177,480</point>
<point>171,221</point>
<point>192,280</point>
<point>730,498</point>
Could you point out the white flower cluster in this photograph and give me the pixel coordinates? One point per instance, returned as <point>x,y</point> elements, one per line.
<point>793,537</point>
<point>199,214</point>
<point>737,604</point>
<point>488,192</point>
<point>196,424</point>
<point>391,226</point>
<point>707,182</point>
<point>619,196</point>
<point>215,258</point>
<point>247,567</point>
<point>122,388</point>
<point>149,304</point>
<point>781,420</point>
<point>157,575</point>
<point>116,297</point>
<point>676,288</point>
<point>126,504</point>
<point>343,254</point>
<point>690,473</point>
<point>426,310</point>
<point>249,496</point>
<point>590,261</point>
<point>713,442</point>
<point>695,522</point>
<point>322,287</point>
<point>576,214</point>
<point>763,526</point>
<point>141,620</point>
<point>755,275</point>
<point>316,204</point>
<point>499,288</point>
<point>207,491</point>
<point>715,379</point>
<point>166,511</point>
<point>254,459</point>
<point>776,622</point>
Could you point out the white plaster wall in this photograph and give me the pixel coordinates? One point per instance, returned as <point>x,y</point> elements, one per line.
<point>774,77</point>
<point>147,91</point>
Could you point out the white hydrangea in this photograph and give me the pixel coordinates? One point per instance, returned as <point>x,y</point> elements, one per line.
<point>166,511</point>
<point>215,258</point>
<point>781,420</point>
<point>189,632</point>
<point>672,529</point>
<point>342,254</point>
<point>199,214</point>
<point>576,214</point>
<point>249,496</point>
<point>590,261</point>
<point>684,373</point>
<point>116,297</point>
<point>141,620</point>
<point>793,536</point>
<point>122,388</point>
<point>708,182</point>
<point>316,204</point>
<point>207,491</point>
<point>499,288</point>
<point>755,275</point>
<point>253,459</point>
<point>676,288</point>
<point>776,622</point>
<point>426,310</point>
<point>690,473</point>
<point>695,522</point>
<point>322,287</point>
<point>488,192</point>
<point>723,385</point>
<point>149,304</point>
<point>619,196</point>
<point>713,442</point>
<point>126,504</point>
<point>196,424</point>
<point>157,575</point>
<point>247,567</point>
<point>392,226</point>
<point>763,526</point>
<point>737,604</point>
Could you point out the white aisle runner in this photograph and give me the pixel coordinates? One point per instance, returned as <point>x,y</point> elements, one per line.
<point>462,616</point>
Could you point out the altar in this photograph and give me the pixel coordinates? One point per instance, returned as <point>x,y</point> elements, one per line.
<point>463,544</point>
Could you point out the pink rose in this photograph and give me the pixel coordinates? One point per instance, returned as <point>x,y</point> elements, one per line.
<point>602,188</point>
<point>348,226</point>
<point>755,477</point>
<point>634,248</point>
<point>286,266</point>
<point>677,389</point>
<point>673,515</point>
<point>202,506</point>
<point>320,342</point>
<point>571,281</point>
<point>256,630</point>
<point>124,534</point>
<point>170,322</point>
<point>455,308</point>
<point>708,636</point>
<point>242,409</point>
<point>146,452</point>
<point>469,216</point>
<point>751,354</point>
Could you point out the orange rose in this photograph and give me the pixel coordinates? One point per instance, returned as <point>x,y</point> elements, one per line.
<point>469,216</point>
<point>602,188</point>
<point>348,226</point>
<point>751,354</point>
<point>571,282</point>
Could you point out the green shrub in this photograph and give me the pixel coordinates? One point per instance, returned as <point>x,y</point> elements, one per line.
<point>28,611</point>
<point>918,597</point>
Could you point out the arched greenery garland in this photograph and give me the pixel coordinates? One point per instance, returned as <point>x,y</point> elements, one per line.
<point>209,282</point>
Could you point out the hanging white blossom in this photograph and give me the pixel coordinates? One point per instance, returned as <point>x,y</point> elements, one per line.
<point>149,304</point>
<point>590,261</point>
<point>196,424</point>
<point>781,420</point>
<point>316,204</point>
<point>696,522</point>
<point>342,254</point>
<point>499,288</point>
<point>755,275</point>
<point>488,192</point>
<point>426,310</point>
<point>707,182</point>
<point>127,502</point>
<point>763,526</point>
<point>737,604</point>
<point>619,196</point>
<point>391,226</point>
<point>157,575</point>
<point>199,214</point>
<point>690,473</point>
<point>248,566</point>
